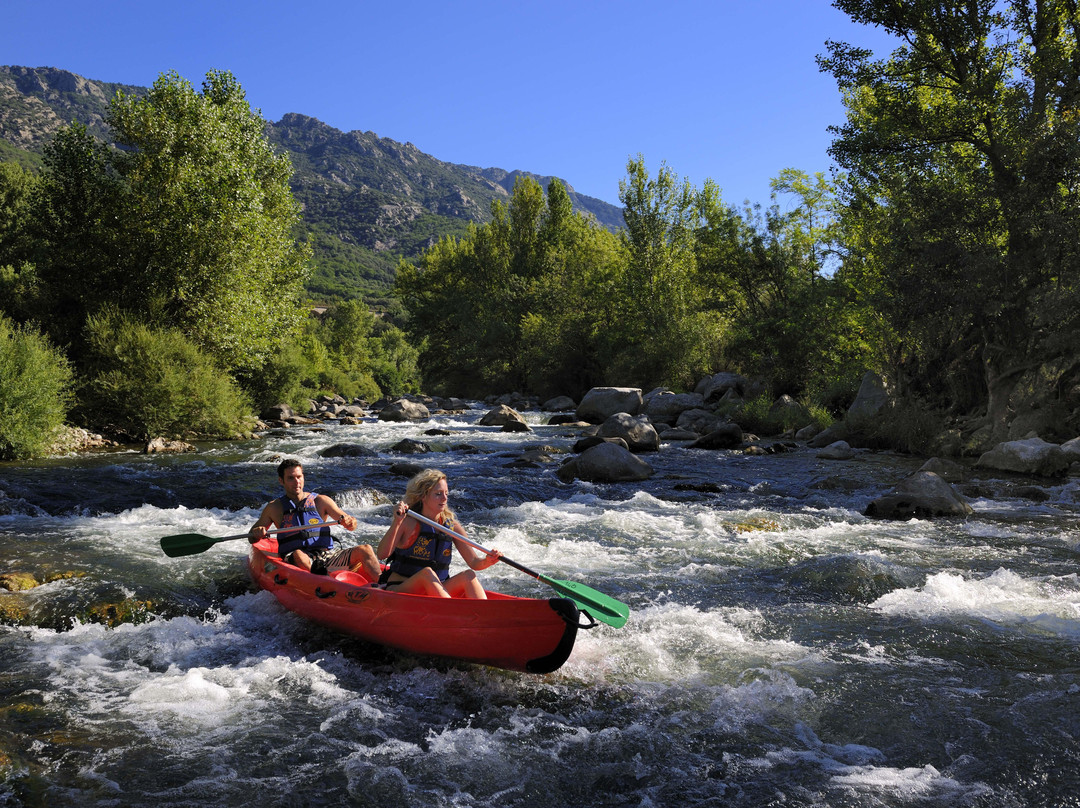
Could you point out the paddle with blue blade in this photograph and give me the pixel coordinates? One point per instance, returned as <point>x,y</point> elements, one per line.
<point>597,604</point>
<point>185,544</point>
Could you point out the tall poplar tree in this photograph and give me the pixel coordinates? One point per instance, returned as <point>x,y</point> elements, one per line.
<point>209,216</point>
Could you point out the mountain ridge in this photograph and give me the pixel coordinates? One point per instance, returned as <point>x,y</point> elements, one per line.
<point>368,201</point>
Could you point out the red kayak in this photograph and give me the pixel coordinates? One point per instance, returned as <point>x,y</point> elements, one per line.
<point>532,635</point>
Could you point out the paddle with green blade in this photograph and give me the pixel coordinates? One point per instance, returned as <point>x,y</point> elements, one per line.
<point>185,544</point>
<point>597,604</point>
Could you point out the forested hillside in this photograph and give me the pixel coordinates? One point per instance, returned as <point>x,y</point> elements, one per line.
<point>367,201</point>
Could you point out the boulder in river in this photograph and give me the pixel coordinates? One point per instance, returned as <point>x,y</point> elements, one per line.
<point>165,446</point>
<point>559,404</point>
<point>840,450</point>
<point>403,410</point>
<point>1031,456</point>
<point>640,435</point>
<point>501,415</point>
<point>948,470</point>
<point>348,450</point>
<point>606,463</point>
<point>664,405</point>
<point>922,495</point>
<point>601,402</point>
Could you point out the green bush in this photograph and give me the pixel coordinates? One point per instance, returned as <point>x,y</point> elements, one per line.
<point>909,425</point>
<point>35,392</point>
<point>280,380</point>
<point>146,383</point>
<point>753,416</point>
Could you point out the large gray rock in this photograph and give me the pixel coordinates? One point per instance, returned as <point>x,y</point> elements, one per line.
<point>404,410</point>
<point>922,495</point>
<point>559,404</point>
<point>664,405</point>
<point>278,412</point>
<point>348,450</point>
<point>606,463</point>
<point>501,416</point>
<point>872,398</point>
<point>712,388</point>
<point>1032,456</point>
<point>166,446</point>
<point>830,435</point>
<point>837,451</point>
<point>640,435</point>
<point>700,421</point>
<point>1071,448</point>
<point>601,403</point>
<point>948,470</point>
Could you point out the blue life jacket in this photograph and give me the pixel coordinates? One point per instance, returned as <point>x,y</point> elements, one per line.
<point>306,514</point>
<point>432,548</point>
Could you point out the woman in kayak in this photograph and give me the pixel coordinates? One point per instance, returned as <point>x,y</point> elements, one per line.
<point>419,555</point>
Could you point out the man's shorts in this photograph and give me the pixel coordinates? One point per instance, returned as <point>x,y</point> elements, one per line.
<point>326,560</point>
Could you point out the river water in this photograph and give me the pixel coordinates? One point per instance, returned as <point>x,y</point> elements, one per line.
<point>782,650</point>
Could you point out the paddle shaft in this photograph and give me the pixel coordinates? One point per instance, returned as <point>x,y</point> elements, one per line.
<point>278,530</point>
<point>293,529</point>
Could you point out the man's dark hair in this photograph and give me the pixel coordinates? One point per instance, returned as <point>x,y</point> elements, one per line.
<point>287,464</point>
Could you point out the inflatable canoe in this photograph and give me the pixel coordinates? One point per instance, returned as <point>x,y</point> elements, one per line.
<point>532,635</point>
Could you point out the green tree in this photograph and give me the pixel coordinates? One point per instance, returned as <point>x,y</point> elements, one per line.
<point>209,217</point>
<point>811,222</point>
<point>79,220</point>
<point>963,198</point>
<point>35,391</point>
<point>17,189</point>
<point>477,305</point>
<point>668,338</point>
<point>19,286</point>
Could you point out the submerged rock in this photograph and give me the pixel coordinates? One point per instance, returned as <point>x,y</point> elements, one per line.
<point>840,450</point>
<point>726,436</point>
<point>18,581</point>
<point>850,578</point>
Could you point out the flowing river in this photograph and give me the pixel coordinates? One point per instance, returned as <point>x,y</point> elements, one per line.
<point>782,649</point>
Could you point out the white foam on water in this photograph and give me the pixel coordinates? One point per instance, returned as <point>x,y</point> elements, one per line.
<point>184,675</point>
<point>912,784</point>
<point>672,643</point>
<point>855,771</point>
<point>1049,606</point>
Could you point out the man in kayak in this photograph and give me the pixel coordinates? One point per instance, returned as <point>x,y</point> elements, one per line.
<point>419,555</point>
<point>311,549</point>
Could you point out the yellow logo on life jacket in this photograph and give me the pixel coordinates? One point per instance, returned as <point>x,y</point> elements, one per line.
<point>313,521</point>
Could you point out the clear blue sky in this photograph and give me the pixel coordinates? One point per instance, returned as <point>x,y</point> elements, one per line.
<point>720,89</point>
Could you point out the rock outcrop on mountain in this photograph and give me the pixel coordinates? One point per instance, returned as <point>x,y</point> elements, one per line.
<point>368,200</point>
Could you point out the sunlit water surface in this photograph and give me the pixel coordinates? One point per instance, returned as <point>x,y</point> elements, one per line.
<point>782,649</point>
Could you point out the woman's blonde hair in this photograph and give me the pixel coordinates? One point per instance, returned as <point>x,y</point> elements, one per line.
<point>419,486</point>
